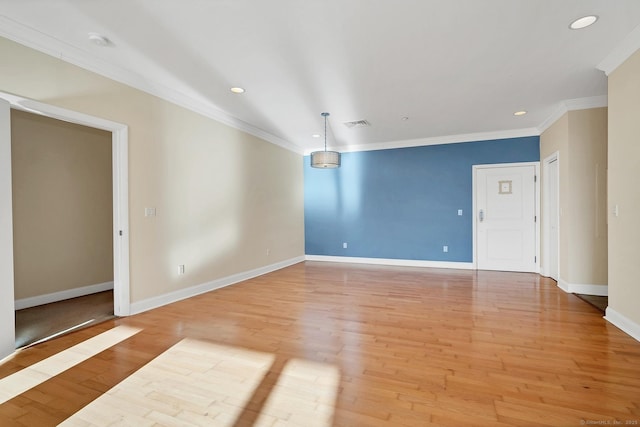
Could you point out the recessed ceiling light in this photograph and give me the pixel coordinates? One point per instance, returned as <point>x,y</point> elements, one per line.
<point>237,90</point>
<point>316,135</point>
<point>98,39</point>
<point>520,113</point>
<point>583,22</point>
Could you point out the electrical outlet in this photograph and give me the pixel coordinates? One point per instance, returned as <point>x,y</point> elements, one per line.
<point>459,212</point>
<point>149,211</point>
<point>268,252</point>
<point>344,245</point>
<point>445,248</point>
<point>181,269</point>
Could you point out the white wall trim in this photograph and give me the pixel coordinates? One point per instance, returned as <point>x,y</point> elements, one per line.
<point>573,105</point>
<point>583,288</point>
<point>621,53</point>
<point>53,47</point>
<point>46,44</point>
<point>62,295</point>
<point>120,168</point>
<point>168,298</point>
<point>437,140</point>
<point>623,323</point>
<point>7,317</point>
<point>587,103</point>
<point>564,286</point>
<point>564,106</point>
<point>390,261</point>
<point>546,231</point>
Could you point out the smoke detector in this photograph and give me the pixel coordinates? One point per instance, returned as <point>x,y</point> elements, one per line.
<point>357,124</point>
<point>98,39</point>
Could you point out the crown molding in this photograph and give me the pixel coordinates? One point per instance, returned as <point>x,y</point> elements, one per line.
<point>621,53</point>
<point>586,103</point>
<point>573,105</point>
<point>563,107</point>
<point>51,46</point>
<point>437,140</point>
<point>554,117</point>
<point>41,42</point>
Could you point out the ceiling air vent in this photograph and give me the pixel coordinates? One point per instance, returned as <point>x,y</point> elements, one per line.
<point>357,124</point>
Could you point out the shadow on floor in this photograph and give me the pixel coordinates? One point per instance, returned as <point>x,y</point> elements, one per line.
<point>37,323</point>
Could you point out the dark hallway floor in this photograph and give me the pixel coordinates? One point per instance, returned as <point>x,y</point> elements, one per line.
<point>36,323</point>
<point>597,301</point>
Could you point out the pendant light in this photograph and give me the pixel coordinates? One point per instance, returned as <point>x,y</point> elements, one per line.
<point>325,159</point>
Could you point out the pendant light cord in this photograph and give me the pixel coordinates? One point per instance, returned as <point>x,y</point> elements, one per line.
<point>325,133</point>
<point>325,115</point>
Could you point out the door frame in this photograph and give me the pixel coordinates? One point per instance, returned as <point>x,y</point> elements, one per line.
<point>120,177</point>
<point>475,168</point>
<point>7,317</point>
<point>546,231</point>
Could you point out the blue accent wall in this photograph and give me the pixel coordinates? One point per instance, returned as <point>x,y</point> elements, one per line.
<point>402,203</point>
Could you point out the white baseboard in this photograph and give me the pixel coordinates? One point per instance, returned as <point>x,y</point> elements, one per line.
<point>564,286</point>
<point>623,323</point>
<point>62,295</point>
<point>168,298</point>
<point>585,289</point>
<point>544,273</point>
<point>388,261</point>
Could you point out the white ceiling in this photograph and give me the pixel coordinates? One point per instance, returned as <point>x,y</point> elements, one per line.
<point>453,67</point>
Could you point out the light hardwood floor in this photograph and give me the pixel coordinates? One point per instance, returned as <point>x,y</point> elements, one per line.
<point>347,345</point>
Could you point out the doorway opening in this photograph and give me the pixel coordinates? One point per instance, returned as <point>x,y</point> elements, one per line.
<point>120,227</point>
<point>62,221</point>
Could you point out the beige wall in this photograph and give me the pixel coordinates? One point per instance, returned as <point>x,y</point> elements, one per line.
<point>624,191</point>
<point>588,196</point>
<point>62,205</point>
<point>223,197</point>
<point>580,138</point>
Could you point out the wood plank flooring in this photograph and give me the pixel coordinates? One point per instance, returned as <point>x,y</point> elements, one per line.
<point>408,346</point>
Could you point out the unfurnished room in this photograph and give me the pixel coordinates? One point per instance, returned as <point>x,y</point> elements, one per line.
<point>319,213</point>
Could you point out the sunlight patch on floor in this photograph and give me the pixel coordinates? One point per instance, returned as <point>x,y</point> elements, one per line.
<point>202,383</point>
<point>194,382</point>
<point>29,377</point>
<point>304,395</point>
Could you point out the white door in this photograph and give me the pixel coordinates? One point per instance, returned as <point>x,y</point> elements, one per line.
<point>505,218</point>
<point>552,209</point>
<point>7,314</point>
